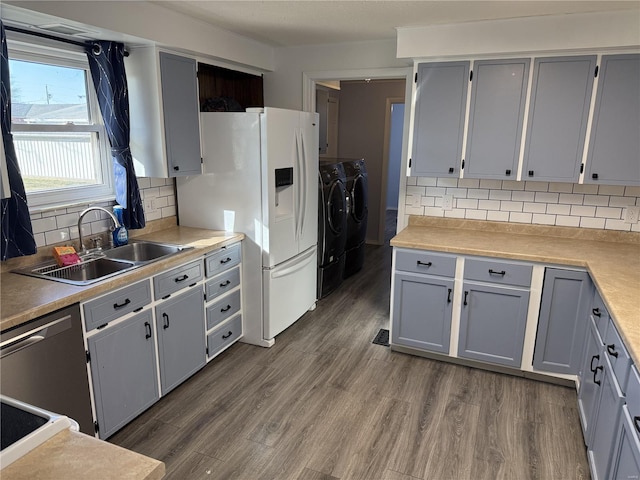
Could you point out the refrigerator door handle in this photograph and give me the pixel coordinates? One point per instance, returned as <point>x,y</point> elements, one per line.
<point>293,266</point>
<point>298,190</point>
<point>303,183</point>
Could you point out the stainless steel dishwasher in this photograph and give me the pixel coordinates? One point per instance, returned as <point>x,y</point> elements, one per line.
<point>43,363</point>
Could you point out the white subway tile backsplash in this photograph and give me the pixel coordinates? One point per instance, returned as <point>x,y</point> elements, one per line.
<point>563,204</point>
<point>40,240</point>
<point>635,227</point>
<point>144,182</point>
<point>168,211</point>
<point>157,215</point>
<point>414,180</point>
<point>157,182</point>
<point>415,190</point>
<point>43,224</point>
<point>589,222</point>
<point>67,220</point>
<point>56,236</point>
<point>583,211</point>
<point>609,212</point>
<point>166,191</point>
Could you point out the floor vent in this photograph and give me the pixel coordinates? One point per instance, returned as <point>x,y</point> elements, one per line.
<point>382,338</point>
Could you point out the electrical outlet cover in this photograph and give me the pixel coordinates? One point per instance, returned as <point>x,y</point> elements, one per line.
<point>631,214</point>
<point>447,202</point>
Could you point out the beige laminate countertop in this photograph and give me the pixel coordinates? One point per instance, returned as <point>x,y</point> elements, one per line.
<point>612,258</point>
<point>26,298</point>
<point>90,458</point>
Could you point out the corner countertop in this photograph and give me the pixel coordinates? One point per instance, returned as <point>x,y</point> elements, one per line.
<point>76,455</point>
<point>611,258</point>
<point>26,298</point>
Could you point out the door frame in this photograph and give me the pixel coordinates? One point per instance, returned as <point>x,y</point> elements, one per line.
<point>309,80</point>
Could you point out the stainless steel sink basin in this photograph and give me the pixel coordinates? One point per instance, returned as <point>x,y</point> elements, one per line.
<point>103,264</point>
<point>143,252</point>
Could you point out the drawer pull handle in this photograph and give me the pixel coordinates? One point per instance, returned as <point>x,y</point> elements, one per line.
<point>224,337</point>
<point>225,309</point>
<point>182,278</point>
<point>494,272</point>
<point>596,312</point>
<point>595,372</point>
<point>123,304</point>
<point>636,423</point>
<point>465,298</point>
<point>448,295</point>
<point>595,357</point>
<point>611,350</point>
<point>226,260</point>
<point>225,283</point>
<point>166,321</point>
<point>147,328</point>
<point>427,264</point>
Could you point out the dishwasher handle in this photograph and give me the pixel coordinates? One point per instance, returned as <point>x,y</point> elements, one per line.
<point>27,339</point>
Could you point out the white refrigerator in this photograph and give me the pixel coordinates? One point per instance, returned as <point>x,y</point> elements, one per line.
<point>260,178</point>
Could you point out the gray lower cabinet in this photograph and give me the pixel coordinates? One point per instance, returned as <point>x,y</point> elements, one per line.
<point>588,394</point>
<point>563,320</point>
<point>422,309</point>
<point>181,339</point>
<point>123,369</point>
<point>496,115</point>
<point>626,461</point>
<point>606,422</point>
<point>441,101</point>
<point>614,145</point>
<point>558,113</point>
<point>492,323</point>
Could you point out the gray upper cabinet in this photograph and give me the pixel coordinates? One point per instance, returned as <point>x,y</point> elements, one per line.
<point>614,144</point>
<point>441,100</point>
<point>558,113</point>
<point>181,338</point>
<point>496,115</point>
<point>563,320</point>
<point>164,113</point>
<point>123,369</point>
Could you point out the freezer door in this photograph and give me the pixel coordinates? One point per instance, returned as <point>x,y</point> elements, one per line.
<point>289,291</point>
<point>281,203</point>
<point>308,139</point>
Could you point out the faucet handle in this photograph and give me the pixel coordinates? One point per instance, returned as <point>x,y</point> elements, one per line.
<point>97,242</point>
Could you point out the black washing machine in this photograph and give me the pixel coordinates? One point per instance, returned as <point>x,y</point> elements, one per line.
<point>332,227</point>
<point>358,212</point>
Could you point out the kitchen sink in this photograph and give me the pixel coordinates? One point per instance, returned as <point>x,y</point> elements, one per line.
<point>143,252</point>
<point>102,264</point>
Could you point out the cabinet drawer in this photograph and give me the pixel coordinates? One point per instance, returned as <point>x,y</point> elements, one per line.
<point>600,314</point>
<point>116,304</point>
<point>633,393</point>
<point>178,278</point>
<point>222,309</point>
<point>225,282</point>
<point>223,259</point>
<point>418,261</point>
<point>224,336</point>
<point>618,356</point>
<point>496,271</point>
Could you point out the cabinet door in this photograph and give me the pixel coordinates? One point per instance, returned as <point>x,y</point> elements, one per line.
<point>422,312</point>
<point>626,460</point>
<point>589,392</point>
<point>558,114</point>
<point>492,323</point>
<point>181,114</point>
<point>123,367</point>
<point>614,144</point>
<point>441,101</point>
<point>563,320</point>
<point>606,423</point>
<point>181,339</point>
<point>498,95</point>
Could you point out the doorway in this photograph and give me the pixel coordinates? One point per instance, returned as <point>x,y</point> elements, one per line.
<point>394,127</point>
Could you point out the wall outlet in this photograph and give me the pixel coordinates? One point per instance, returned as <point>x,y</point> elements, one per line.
<point>150,205</point>
<point>415,200</point>
<point>631,214</point>
<point>447,202</point>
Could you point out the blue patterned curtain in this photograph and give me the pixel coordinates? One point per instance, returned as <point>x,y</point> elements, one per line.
<point>17,234</point>
<point>106,61</point>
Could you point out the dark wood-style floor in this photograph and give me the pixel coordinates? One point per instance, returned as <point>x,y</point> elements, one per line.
<point>326,403</point>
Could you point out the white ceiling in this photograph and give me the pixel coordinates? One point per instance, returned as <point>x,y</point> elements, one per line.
<point>305,22</point>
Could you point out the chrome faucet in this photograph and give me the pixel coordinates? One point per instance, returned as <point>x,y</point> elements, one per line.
<point>116,224</point>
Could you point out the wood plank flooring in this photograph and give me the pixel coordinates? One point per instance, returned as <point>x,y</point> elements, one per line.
<point>325,403</point>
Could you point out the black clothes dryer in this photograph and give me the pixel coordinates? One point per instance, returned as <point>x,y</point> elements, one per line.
<point>358,206</point>
<point>332,227</point>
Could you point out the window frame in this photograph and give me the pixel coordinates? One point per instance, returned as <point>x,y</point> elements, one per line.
<point>31,49</point>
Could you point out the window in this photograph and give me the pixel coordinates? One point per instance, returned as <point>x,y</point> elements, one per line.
<point>60,141</point>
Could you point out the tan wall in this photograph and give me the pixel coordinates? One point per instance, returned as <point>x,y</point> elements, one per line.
<point>361,134</point>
